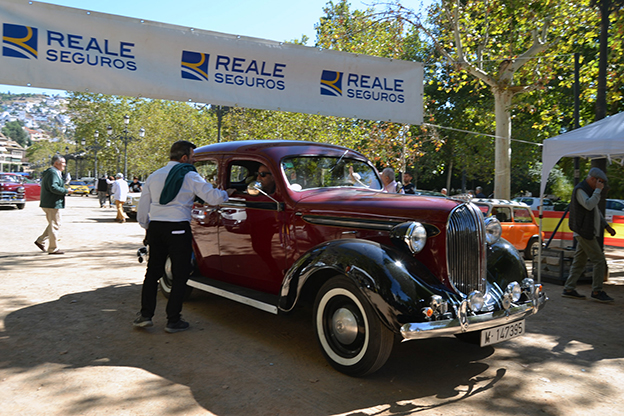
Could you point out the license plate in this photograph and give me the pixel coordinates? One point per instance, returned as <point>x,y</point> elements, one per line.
<point>502,333</point>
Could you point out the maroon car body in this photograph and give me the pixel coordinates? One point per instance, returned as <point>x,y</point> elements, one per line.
<point>373,264</point>
<point>16,190</point>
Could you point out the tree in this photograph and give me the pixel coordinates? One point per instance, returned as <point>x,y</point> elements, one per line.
<point>15,131</point>
<point>497,42</point>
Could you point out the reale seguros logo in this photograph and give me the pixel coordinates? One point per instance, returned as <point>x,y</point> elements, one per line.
<point>19,41</point>
<point>195,65</point>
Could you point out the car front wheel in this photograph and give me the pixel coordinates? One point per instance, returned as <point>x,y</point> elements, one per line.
<point>531,248</point>
<point>351,336</point>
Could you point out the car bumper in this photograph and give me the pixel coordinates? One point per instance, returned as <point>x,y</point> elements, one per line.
<point>11,200</point>
<point>434,329</point>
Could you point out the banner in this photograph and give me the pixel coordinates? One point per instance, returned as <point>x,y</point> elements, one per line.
<point>51,46</point>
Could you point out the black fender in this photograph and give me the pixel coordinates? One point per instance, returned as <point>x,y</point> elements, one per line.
<point>505,264</point>
<point>397,285</point>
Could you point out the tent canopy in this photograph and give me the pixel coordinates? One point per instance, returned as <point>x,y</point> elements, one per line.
<point>602,139</point>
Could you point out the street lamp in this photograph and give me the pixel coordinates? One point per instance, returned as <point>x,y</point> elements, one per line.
<point>96,147</point>
<point>125,138</point>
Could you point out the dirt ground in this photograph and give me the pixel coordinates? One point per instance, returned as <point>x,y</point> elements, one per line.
<point>67,346</point>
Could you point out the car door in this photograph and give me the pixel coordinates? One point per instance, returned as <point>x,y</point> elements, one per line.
<point>503,215</point>
<point>204,224</point>
<point>251,230</point>
<point>524,227</point>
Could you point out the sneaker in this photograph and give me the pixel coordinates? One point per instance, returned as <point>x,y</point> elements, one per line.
<point>181,325</point>
<point>572,294</point>
<point>142,322</point>
<point>601,296</point>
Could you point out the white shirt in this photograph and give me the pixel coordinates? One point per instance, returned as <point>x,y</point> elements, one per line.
<point>179,209</point>
<point>391,188</point>
<point>120,190</point>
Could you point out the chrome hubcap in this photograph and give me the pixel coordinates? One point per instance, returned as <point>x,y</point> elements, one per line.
<point>344,326</point>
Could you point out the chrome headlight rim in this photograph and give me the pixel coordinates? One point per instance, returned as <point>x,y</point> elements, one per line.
<point>415,237</point>
<point>493,230</point>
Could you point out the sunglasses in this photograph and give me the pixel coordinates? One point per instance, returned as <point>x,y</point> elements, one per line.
<point>263,174</point>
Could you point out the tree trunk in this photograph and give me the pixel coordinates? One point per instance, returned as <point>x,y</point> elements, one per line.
<point>502,166</point>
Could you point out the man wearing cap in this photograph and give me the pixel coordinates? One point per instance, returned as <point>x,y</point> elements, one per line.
<point>587,223</point>
<point>120,193</point>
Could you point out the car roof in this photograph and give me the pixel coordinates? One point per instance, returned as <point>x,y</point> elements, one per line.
<point>277,149</point>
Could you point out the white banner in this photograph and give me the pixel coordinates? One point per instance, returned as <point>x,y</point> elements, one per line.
<point>50,46</point>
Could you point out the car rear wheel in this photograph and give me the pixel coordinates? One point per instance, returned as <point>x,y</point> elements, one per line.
<point>166,281</point>
<point>531,248</point>
<point>351,336</point>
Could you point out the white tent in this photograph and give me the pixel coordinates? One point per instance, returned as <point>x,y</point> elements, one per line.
<point>602,139</point>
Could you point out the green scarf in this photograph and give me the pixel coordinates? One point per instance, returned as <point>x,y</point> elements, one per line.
<point>174,180</point>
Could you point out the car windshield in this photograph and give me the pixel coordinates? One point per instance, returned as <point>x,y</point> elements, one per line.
<point>9,178</point>
<point>306,172</point>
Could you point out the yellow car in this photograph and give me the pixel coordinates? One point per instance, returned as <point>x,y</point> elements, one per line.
<point>79,188</point>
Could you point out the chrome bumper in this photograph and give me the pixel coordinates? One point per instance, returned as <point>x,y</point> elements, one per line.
<point>433,329</point>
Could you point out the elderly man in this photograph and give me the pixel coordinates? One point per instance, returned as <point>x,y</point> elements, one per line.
<point>387,177</point>
<point>52,200</point>
<point>120,193</point>
<point>587,223</point>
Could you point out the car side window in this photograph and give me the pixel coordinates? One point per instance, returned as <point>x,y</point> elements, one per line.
<point>503,214</point>
<point>209,170</point>
<point>241,173</point>
<point>522,215</point>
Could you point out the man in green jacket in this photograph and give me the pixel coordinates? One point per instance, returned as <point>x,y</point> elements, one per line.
<point>52,200</point>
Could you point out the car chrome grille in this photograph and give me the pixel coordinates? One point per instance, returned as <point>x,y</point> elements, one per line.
<point>466,249</point>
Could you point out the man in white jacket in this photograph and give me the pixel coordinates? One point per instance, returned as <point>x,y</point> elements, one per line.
<point>120,193</point>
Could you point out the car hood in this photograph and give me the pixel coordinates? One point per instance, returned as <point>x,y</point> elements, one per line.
<point>346,202</point>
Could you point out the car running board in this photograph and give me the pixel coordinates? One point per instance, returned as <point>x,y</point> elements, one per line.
<point>259,300</point>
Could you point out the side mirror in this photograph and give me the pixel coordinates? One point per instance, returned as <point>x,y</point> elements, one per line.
<point>254,188</point>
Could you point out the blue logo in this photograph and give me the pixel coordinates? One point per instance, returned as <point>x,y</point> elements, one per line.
<point>19,41</point>
<point>331,83</point>
<point>195,65</point>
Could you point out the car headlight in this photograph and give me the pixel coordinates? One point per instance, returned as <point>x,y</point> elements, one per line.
<point>415,237</point>
<point>514,290</point>
<point>476,300</point>
<point>493,230</point>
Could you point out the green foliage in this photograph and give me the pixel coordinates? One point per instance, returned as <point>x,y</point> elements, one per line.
<point>15,130</point>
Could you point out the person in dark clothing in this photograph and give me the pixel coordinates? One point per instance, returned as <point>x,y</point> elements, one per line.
<point>479,193</point>
<point>587,223</point>
<point>135,186</point>
<point>102,190</point>
<point>408,186</point>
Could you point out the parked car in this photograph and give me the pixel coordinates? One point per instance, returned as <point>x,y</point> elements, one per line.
<point>614,207</point>
<point>374,265</point>
<point>79,188</point>
<point>16,190</point>
<point>534,202</point>
<point>132,203</point>
<point>517,221</point>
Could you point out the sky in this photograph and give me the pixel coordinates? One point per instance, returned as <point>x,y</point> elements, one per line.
<point>278,20</point>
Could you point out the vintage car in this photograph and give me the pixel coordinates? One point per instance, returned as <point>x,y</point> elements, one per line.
<point>132,204</point>
<point>517,221</point>
<point>16,190</point>
<point>373,265</point>
<point>79,188</point>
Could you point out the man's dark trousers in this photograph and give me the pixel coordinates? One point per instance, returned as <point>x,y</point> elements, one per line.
<point>173,240</point>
